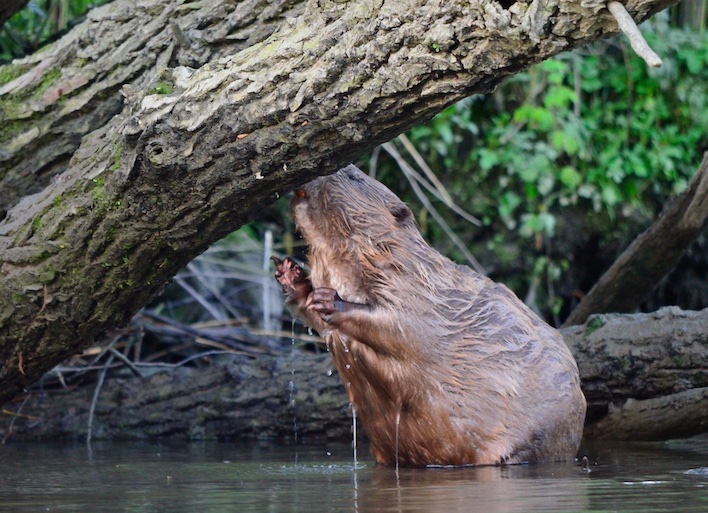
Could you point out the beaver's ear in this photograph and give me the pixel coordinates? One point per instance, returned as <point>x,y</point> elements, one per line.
<point>402,213</point>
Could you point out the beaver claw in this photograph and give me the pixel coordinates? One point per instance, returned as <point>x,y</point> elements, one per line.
<point>325,302</point>
<point>292,278</point>
<point>287,271</point>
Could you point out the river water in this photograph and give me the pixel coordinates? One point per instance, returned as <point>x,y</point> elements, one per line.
<point>266,477</point>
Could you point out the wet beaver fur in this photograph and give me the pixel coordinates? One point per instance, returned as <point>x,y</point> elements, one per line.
<point>443,366</point>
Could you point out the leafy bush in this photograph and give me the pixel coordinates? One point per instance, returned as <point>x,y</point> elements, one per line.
<point>591,131</point>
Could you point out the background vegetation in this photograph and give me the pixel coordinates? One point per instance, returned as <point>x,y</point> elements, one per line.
<point>566,163</point>
<point>563,165</point>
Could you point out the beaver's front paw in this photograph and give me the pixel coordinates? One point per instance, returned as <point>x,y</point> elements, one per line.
<point>292,278</point>
<point>326,302</point>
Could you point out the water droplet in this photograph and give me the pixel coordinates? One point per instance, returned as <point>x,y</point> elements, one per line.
<point>329,372</point>
<point>348,366</point>
<point>354,433</point>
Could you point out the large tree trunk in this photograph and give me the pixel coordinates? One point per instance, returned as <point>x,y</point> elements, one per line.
<point>191,160</point>
<point>645,377</point>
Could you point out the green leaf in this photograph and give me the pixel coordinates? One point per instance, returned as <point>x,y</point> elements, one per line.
<point>487,159</point>
<point>610,194</point>
<point>559,96</point>
<point>570,177</point>
<point>694,61</point>
<point>508,202</point>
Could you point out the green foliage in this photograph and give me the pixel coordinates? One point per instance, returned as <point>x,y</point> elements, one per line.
<point>601,129</point>
<point>37,23</point>
<point>596,130</point>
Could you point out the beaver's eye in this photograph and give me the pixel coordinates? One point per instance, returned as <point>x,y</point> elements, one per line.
<point>353,176</point>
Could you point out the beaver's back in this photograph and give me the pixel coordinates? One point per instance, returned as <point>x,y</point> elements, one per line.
<point>480,371</point>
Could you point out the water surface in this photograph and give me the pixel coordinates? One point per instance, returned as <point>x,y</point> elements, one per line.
<point>265,477</point>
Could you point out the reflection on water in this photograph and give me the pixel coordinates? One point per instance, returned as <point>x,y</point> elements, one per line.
<point>261,477</point>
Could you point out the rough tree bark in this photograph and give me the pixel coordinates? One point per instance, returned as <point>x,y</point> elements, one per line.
<point>73,88</point>
<point>645,376</point>
<point>626,284</point>
<point>650,370</point>
<point>172,173</point>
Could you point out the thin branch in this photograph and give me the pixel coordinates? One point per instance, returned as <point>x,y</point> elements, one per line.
<point>186,360</point>
<point>435,192</point>
<point>14,417</point>
<point>413,152</point>
<point>373,161</point>
<point>199,298</point>
<point>201,278</point>
<point>268,297</point>
<point>126,361</point>
<point>96,392</point>
<point>627,25</point>
<point>406,168</point>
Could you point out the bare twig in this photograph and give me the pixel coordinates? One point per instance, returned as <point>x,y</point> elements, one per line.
<point>201,277</point>
<point>268,297</point>
<point>216,314</point>
<point>422,164</point>
<point>373,161</point>
<point>406,168</point>
<point>435,192</point>
<point>14,417</point>
<point>126,361</point>
<point>96,392</point>
<point>627,25</point>
<point>185,361</point>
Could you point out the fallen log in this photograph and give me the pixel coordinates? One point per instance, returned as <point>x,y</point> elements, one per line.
<point>634,364</point>
<point>645,377</point>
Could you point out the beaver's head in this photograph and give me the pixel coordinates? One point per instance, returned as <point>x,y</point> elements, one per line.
<point>350,206</point>
<point>362,238</point>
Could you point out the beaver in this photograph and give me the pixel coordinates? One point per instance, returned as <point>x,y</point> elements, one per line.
<point>442,365</point>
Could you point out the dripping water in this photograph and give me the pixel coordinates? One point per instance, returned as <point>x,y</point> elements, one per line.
<point>398,476</point>
<point>356,490</point>
<point>398,422</point>
<point>291,384</point>
<point>354,435</point>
